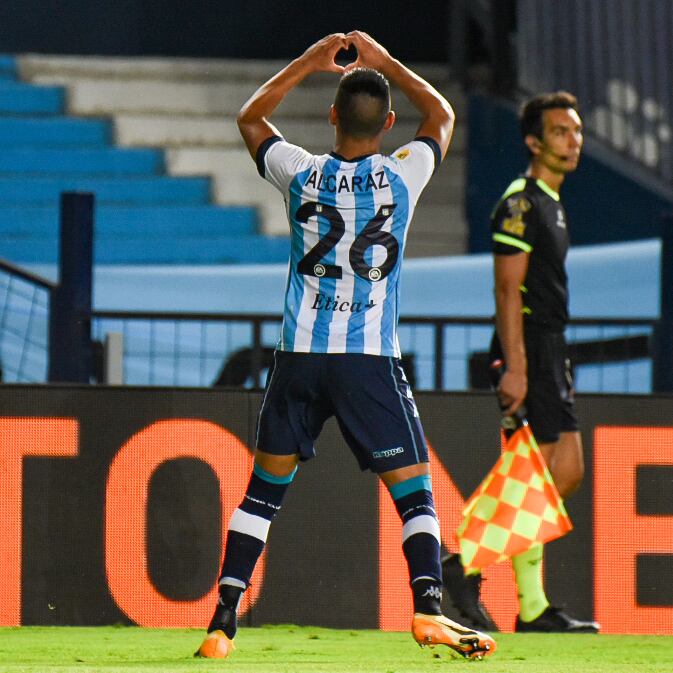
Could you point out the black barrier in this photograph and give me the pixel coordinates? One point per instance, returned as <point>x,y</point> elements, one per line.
<point>70,354</point>
<point>114,502</point>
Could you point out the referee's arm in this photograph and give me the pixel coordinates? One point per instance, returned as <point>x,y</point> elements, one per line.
<point>509,275</point>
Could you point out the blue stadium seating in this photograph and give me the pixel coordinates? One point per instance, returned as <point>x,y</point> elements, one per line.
<point>123,190</point>
<point>216,249</point>
<point>54,131</point>
<point>104,161</point>
<point>139,223</point>
<point>7,67</point>
<point>18,98</point>
<point>143,216</point>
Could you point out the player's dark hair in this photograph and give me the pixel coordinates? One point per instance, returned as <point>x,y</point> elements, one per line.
<point>362,102</point>
<point>530,116</point>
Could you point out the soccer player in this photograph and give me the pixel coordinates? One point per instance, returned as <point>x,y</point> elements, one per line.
<point>349,213</point>
<point>530,243</point>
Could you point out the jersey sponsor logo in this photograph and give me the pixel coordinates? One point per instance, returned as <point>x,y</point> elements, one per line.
<point>403,154</point>
<point>387,453</point>
<point>324,302</point>
<point>346,183</point>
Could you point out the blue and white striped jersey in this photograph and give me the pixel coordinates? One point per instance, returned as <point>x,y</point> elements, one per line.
<point>348,227</point>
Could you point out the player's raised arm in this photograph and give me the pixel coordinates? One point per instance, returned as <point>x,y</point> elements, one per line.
<point>436,111</point>
<point>253,120</point>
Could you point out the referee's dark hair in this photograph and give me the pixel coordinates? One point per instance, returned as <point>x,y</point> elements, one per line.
<point>362,102</point>
<point>530,116</point>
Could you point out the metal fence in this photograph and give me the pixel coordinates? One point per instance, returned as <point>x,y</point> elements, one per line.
<point>616,57</point>
<point>24,325</point>
<point>439,353</point>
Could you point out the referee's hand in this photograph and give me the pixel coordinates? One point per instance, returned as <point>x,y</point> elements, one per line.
<point>512,391</point>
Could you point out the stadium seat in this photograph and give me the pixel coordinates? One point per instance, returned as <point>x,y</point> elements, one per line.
<point>143,215</point>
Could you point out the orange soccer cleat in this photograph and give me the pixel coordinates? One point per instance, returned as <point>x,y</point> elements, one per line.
<point>434,630</point>
<point>216,646</point>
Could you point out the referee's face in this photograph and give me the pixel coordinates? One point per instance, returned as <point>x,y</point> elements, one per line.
<point>561,140</point>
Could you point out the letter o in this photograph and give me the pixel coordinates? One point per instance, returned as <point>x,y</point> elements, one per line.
<point>126,516</point>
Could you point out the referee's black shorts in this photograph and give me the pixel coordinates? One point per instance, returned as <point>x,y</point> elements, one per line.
<point>550,403</point>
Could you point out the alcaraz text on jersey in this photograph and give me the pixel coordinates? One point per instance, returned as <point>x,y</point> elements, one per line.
<point>346,183</point>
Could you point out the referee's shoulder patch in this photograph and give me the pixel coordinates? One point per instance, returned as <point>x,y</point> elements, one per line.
<point>518,204</point>
<point>515,208</point>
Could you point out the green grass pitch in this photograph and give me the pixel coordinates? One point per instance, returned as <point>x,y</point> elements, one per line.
<point>293,649</point>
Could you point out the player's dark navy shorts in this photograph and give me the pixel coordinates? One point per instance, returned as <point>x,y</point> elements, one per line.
<point>550,402</point>
<point>368,394</point>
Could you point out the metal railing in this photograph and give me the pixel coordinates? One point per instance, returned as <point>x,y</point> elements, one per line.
<point>24,324</point>
<point>440,353</point>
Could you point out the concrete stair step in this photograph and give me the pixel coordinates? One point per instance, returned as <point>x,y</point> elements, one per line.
<point>316,135</point>
<point>437,230</point>
<point>31,66</point>
<point>87,96</point>
<point>235,181</point>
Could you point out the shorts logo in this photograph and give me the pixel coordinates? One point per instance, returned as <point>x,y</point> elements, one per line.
<point>388,453</point>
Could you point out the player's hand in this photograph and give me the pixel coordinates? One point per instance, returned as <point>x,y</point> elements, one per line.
<point>319,57</point>
<point>370,53</point>
<point>512,391</point>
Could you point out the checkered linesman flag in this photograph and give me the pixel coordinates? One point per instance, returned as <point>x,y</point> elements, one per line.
<point>515,507</point>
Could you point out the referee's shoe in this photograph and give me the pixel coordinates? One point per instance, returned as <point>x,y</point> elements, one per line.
<point>464,593</point>
<point>554,620</point>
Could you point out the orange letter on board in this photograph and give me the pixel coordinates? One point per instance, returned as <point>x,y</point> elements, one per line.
<point>23,437</point>
<point>621,534</point>
<point>126,520</point>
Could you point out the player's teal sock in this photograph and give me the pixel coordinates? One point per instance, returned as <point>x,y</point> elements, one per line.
<point>420,541</point>
<point>530,589</point>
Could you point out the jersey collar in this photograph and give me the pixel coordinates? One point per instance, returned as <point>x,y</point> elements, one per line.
<point>547,189</point>
<point>350,161</point>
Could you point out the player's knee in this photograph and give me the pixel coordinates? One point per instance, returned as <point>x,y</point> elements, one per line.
<point>278,466</point>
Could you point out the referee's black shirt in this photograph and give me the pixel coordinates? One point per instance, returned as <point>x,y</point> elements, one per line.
<point>530,218</point>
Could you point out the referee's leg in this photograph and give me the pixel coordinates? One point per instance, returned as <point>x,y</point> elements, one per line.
<point>565,459</point>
